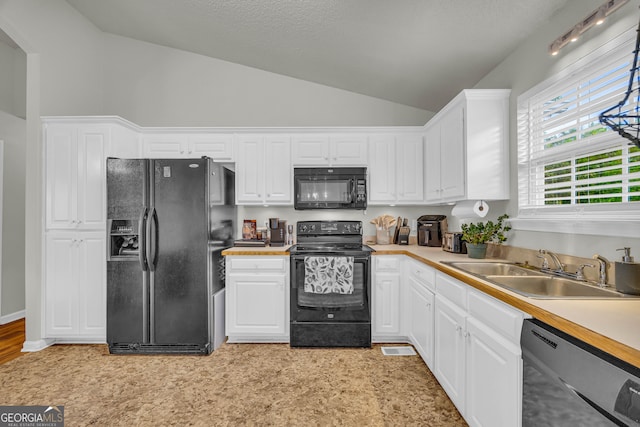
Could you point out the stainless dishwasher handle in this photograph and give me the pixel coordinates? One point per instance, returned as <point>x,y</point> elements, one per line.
<point>594,405</point>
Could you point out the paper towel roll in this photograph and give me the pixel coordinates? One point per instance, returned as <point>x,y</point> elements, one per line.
<point>470,209</point>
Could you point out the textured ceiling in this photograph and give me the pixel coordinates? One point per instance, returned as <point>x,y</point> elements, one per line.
<point>415,52</point>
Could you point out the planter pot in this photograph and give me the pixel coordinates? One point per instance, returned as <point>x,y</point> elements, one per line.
<point>477,250</point>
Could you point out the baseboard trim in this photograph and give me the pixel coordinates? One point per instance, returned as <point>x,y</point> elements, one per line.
<point>12,317</point>
<point>33,346</point>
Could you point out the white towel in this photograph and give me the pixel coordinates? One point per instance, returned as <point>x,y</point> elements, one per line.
<point>326,275</point>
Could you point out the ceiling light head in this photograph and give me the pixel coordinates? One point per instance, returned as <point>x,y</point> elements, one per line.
<point>575,33</point>
<point>601,15</point>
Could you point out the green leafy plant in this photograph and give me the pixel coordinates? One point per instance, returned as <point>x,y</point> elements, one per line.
<point>489,232</point>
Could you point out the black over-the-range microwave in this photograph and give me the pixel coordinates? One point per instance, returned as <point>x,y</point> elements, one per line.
<point>330,188</point>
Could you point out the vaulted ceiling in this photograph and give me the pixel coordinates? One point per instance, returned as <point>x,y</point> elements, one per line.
<point>419,53</point>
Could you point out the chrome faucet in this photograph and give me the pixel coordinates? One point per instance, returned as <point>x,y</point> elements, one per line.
<point>602,279</point>
<point>554,257</point>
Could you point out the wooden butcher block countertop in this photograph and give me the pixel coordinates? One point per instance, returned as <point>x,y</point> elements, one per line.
<point>610,325</point>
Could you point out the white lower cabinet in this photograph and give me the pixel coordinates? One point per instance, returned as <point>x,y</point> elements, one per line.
<point>421,300</point>
<point>477,354</point>
<point>494,377</point>
<point>387,298</point>
<point>257,298</point>
<point>450,349</point>
<point>75,286</point>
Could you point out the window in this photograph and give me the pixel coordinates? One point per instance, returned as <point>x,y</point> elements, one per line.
<point>570,165</point>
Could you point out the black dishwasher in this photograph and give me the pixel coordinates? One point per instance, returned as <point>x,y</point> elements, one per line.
<point>567,382</point>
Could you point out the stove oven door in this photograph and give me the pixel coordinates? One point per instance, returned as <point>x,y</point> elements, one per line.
<point>330,287</point>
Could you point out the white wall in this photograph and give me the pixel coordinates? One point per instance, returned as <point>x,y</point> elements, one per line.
<point>69,49</point>
<point>527,66</point>
<point>152,85</point>
<point>13,131</point>
<point>13,72</point>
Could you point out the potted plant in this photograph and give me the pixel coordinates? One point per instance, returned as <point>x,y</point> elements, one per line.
<point>477,235</point>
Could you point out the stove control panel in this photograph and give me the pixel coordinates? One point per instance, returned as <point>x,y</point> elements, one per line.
<point>329,228</point>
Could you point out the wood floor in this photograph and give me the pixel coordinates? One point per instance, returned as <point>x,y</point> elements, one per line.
<point>12,336</point>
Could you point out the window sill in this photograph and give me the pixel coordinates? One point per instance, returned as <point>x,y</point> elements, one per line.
<point>613,227</point>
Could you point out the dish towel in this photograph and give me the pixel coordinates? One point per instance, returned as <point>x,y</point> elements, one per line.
<point>327,275</point>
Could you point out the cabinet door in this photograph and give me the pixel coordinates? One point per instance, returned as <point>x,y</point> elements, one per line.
<point>278,173</point>
<point>494,378</point>
<point>61,292</point>
<point>310,150</point>
<point>250,170</point>
<point>450,350</point>
<point>61,163</point>
<point>165,146</point>
<point>452,172</point>
<point>255,305</point>
<point>432,184</point>
<point>409,168</point>
<point>421,326</point>
<point>386,304</point>
<point>382,169</point>
<point>92,177</point>
<point>348,150</point>
<point>217,146</point>
<point>92,286</point>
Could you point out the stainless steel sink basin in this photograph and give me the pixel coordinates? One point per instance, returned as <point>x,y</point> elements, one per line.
<point>553,287</point>
<point>533,283</point>
<point>495,269</point>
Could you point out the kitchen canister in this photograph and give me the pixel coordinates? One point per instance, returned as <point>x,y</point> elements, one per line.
<point>627,274</point>
<point>383,236</point>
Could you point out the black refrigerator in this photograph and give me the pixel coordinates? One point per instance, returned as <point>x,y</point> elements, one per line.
<point>168,222</point>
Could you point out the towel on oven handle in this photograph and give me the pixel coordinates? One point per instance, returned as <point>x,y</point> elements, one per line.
<point>328,274</point>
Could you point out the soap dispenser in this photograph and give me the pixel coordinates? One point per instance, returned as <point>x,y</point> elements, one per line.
<point>627,274</point>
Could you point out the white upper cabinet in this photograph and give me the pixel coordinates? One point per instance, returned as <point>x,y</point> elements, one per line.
<point>263,170</point>
<point>395,169</point>
<point>467,148</point>
<point>330,150</point>
<point>75,161</point>
<point>218,146</point>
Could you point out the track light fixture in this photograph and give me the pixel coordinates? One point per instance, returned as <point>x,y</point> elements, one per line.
<point>596,17</point>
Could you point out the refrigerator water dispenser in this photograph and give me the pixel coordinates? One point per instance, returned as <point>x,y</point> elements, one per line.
<point>123,240</point>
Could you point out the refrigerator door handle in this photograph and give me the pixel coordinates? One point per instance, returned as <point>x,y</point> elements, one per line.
<point>142,231</point>
<point>152,246</point>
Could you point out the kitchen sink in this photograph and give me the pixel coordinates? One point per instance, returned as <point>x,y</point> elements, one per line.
<point>535,284</point>
<point>495,269</point>
<point>553,287</point>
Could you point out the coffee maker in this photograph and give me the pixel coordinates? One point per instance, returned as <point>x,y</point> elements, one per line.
<point>278,230</point>
<point>431,229</point>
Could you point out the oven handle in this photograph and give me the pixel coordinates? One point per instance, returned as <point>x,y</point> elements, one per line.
<point>356,258</point>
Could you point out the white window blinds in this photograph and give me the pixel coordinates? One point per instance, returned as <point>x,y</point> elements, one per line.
<point>567,160</point>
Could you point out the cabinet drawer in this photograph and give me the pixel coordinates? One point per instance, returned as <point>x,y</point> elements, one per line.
<point>452,289</point>
<point>423,274</point>
<point>256,264</point>
<point>500,317</point>
<point>387,263</point>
